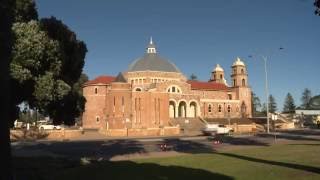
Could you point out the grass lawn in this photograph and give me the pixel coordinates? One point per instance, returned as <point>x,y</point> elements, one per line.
<point>283,161</point>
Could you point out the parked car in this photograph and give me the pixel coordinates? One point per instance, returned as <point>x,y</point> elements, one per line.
<point>49,127</point>
<point>212,129</point>
<point>18,124</point>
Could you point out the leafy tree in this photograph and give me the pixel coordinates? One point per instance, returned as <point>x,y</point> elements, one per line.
<point>305,99</point>
<point>193,77</point>
<point>25,11</point>
<point>6,40</point>
<point>317,5</point>
<point>256,103</point>
<point>272,104</point>
<point>73,55</point>
<point>36,66</point>
<point>264,109</point>
<point>289,105</point>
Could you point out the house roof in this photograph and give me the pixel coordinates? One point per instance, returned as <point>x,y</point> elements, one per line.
<point>207,85</point>
<point>101,80</point>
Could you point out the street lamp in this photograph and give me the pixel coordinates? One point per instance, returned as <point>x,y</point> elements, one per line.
<point>265,59</point>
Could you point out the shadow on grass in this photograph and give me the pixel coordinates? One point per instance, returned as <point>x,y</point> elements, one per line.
<point>59,168</point>
<point>187,146</point>
<point>137,171</point>
<point>276,163</point>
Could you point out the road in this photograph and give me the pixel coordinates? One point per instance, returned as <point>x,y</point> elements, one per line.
<point>117,149</point>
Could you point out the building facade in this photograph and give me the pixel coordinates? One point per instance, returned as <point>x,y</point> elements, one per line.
<point>153,92</point>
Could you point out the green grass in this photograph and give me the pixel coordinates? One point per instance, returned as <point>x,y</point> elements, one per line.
<point>286,161</point>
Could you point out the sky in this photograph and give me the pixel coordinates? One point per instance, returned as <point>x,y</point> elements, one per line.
<point>197,35</point>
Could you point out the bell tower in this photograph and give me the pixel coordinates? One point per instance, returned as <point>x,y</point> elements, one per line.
<point>217,75</point>
<point>239,74</point>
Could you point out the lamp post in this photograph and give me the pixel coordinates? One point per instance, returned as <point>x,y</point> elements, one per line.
<point>265,59</point>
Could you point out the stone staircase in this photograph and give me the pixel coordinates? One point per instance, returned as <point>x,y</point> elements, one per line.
<point>189,126</point>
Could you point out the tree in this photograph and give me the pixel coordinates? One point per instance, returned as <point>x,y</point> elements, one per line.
<point>193,77</point>
<point>305,99</point>
<point>317,5</point>
<point>25,11</point>
<point>256,103</point>
<point>6,40</point>
<point>264,109</point>
<point>36,66</point>
<point>289,105</point>
<point>73,55</point>
<point>272,104</point>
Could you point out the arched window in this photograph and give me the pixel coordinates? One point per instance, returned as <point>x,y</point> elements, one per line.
<point>174,89</point>
<point>229,108</point>
<point>138,89</point>
<point>220,108</point>
<point>210,108</point>
<point>96,90</point>
<point>97,119</point>
<point>230,96</point>
<point>220,76</point>
<point>243,82</point>
<point>234,82</point>
<point>242,71</point>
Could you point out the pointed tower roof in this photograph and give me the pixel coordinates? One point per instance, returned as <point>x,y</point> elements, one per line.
<point>151,48</point>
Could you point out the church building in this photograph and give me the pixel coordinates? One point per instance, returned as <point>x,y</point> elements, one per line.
<point>154,93</point>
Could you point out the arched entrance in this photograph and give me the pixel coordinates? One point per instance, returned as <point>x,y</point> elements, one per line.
<point>182,110</point>
<point>172,109</point>
<point>193,110</point>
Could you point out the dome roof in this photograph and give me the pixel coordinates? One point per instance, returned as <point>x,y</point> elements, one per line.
<point>152,62</point>
<point>238,62</point>
<point>218,68</point>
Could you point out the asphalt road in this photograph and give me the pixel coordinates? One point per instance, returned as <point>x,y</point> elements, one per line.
<point>109,148</point>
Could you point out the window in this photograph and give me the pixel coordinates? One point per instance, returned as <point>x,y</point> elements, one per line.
<point>96,90</point>
<point>220,108</point>
<point>234,82</point>
<point>174,89</point>
<point>234,71</point>
<point>138,89</point>
<point>220,76</point>
<point>242,71</point>
<point>243,82</point>
<point>229,108</point>
<point>210,108</point>
<point>230,96</point>
<point>97,119</point>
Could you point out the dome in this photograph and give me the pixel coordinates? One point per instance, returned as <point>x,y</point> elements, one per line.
<point>218,68</point>
<point>152,62</point>
<point>238,62</point>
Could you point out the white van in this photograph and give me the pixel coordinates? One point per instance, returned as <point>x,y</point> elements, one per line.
<point>211,129</point>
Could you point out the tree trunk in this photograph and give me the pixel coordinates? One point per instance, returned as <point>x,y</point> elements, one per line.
<point>6,15</point>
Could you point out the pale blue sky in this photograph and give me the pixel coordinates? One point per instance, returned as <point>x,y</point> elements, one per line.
<point>196,35</point>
